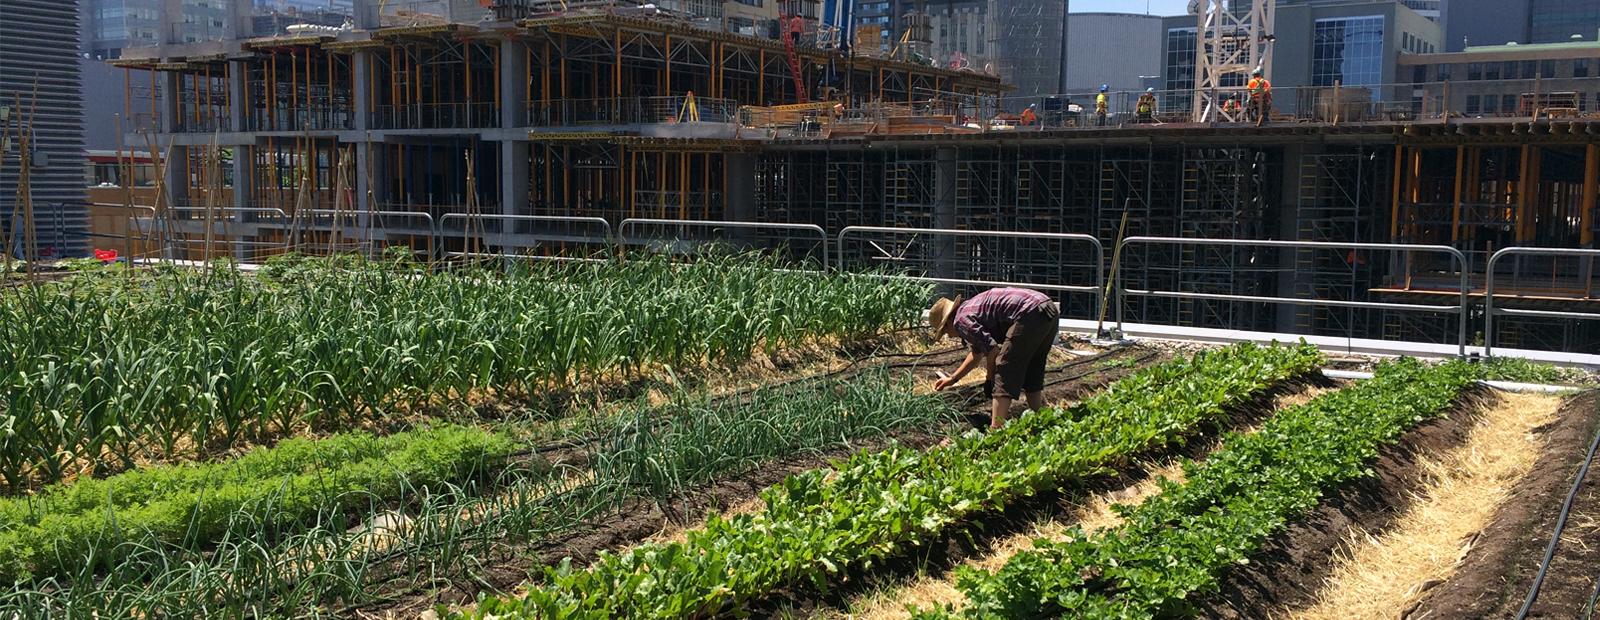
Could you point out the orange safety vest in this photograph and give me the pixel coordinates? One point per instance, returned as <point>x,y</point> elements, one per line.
<point>1260,87</point>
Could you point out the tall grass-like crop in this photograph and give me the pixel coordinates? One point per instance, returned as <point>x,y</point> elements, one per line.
<point>654,452</point>
<point>107,369</point>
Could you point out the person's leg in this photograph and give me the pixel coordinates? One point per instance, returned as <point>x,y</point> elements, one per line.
<point>999,411</point>
<point>1043,327</point>
<point>1020,365</point>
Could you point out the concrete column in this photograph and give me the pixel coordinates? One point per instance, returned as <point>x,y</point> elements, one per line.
<point>167,101</point>
<point>243,183</point>
<point>513,84</point>
<point>514,157</point>
<point>237,90</point>
<point>243,191</point>
<point>514,149</point>
<point>1291,282</point>
<point>945,172</point>
<point>361,81</point>
<point>741,198</point>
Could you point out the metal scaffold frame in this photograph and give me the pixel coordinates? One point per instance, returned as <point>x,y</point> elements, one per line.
<point>1231,43</point>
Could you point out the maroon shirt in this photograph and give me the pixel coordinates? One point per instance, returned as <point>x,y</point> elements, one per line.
<point>984,320</point>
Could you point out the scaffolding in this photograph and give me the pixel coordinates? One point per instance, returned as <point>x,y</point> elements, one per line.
<point>1338,200</point>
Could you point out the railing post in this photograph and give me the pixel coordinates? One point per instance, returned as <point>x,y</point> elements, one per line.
<point>1488,306</point>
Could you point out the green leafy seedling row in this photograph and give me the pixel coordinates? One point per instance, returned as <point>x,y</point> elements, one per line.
<point>1174,548</point>
<point>96,522</point>
<point>877,505</point>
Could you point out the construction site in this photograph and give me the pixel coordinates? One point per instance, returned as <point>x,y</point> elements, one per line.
<point>537,128</point>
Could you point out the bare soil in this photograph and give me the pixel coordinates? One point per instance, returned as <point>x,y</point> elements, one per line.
<point>640,520</point>
<point>1494,578</point>
<point>1291,568</point>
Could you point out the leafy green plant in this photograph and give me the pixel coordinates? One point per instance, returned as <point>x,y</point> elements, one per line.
<point>646,452</point>
<point>1173,549</point>
<point>879,504</point>
<point>1528,371</point>
<point>93,522</point>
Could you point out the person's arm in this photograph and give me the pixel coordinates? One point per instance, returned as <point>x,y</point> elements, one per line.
<point>961,371</point>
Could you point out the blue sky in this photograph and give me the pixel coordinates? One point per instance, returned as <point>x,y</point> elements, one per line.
<point>1157,7</point>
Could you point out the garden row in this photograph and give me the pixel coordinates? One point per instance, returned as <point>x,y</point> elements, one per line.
<point>305,524</point>
<point>1172,550</point>
<point>110,370</point>
<point>879,504</point>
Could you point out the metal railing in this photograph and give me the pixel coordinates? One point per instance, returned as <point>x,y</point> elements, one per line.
<point>1489,309</point>
<point>520,232</point>
<point>626,110</point>
<point>1463,308</point>
<point>681,240</point>
<point>436,116</point>
<point>947,256</point>
<point>298,119</point>
<point>360,225</point>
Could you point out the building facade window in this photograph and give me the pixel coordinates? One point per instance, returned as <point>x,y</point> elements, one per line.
<point>1348,50</point>
<point>1180,63</point>
<point>1443,73</point>
<point>1474,104</point>
<point>1580,68</point>
<point>1555,21</point>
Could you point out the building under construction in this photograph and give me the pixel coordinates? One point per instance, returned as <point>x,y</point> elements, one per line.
<point>501,130</point>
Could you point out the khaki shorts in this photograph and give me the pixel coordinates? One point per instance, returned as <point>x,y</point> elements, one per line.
<point>1020,365</point>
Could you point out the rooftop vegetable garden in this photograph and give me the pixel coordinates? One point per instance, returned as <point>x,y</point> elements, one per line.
<point>638,439</point>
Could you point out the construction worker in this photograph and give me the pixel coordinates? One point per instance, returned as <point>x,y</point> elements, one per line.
<point>1146,106</point>
<point>1102,104</point>
<point>1009,330</point>
<point>1230,105</point>
<point>1260,96</point>
<point>1029,117</point>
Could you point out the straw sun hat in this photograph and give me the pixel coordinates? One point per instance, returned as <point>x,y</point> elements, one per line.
<point>940,315</point>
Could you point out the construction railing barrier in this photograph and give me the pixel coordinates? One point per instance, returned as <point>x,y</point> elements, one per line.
<point>1463,308</point>
<point>803,241</point>
<point>914,262</point>
<point>364,227</point>
<point>956,257</point>
<point>236,228</point>
<point>492,235</point>
<point>1490,311</point>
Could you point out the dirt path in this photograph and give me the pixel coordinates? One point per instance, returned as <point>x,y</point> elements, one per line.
<point>1381,576</point>
<point>1496,574</point>
<point>1289,570</point>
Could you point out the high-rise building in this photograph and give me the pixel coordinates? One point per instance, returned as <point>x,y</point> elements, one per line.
<point>1496,22</point>
<point>1119,50</point>
<point>40,90</point>
<point>1030,46</point>
<point>1320,44</point>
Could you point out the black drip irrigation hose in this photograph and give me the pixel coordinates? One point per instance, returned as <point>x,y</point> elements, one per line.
<point>1555,538</point>
<point>1594,600</point>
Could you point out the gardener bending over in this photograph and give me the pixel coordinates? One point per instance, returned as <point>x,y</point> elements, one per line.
<point>1011,331</point>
